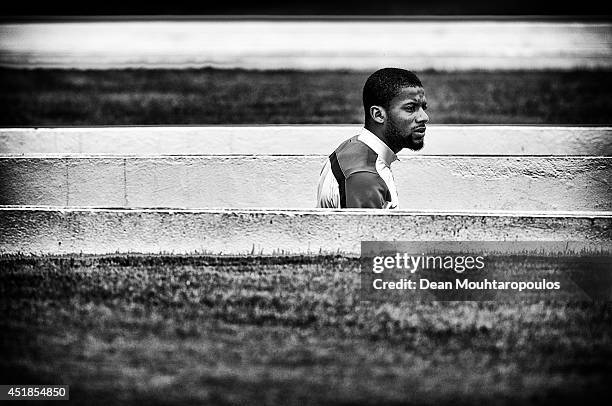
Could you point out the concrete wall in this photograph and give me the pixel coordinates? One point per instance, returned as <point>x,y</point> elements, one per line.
<point>301,140</point>
<point>90,231</point>
<point>424,182</point>
<point>446,44</point>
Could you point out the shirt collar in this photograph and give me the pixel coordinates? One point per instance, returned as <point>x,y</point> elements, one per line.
<point>378,146</point>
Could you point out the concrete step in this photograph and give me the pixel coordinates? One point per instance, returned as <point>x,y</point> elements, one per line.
<point>441,183</point>
<point>300,140</point>
<point>53,230</point>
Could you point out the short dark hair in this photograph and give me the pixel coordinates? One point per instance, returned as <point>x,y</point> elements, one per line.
<point>384,84</point>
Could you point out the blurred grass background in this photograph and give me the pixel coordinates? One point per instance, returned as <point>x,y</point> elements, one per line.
<point>284,330</point>
<point>212,96</point>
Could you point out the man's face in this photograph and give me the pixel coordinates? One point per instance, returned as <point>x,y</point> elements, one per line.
<point>406,119</point>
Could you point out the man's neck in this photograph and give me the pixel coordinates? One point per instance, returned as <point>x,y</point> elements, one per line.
<point>377,131</point>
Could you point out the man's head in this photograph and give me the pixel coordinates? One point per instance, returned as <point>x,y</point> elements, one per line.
<point>394,103</point>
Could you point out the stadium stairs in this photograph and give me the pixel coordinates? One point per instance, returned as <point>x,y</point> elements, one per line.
<point>244,190</point>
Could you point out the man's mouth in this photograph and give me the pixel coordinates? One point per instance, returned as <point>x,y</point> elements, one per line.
<point>419,131</point>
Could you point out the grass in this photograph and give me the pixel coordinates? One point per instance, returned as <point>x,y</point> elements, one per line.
<point>211,96</point>
<point>184,330</point>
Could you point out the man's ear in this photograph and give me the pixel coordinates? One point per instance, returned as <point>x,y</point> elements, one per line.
<point>378,114</point>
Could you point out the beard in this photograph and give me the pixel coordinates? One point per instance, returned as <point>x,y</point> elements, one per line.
<point>398,138</point>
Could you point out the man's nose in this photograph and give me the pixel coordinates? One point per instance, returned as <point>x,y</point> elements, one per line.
<point>422,117</point>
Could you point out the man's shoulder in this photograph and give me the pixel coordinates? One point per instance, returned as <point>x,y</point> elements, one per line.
<point>355,156</point>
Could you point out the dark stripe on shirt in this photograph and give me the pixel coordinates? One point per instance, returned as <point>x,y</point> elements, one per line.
<point>335,167</point>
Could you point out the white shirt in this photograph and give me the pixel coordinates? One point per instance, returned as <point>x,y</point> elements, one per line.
<point>358,175</point>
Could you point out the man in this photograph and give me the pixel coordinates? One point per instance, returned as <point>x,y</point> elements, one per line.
<point>358,173</point>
